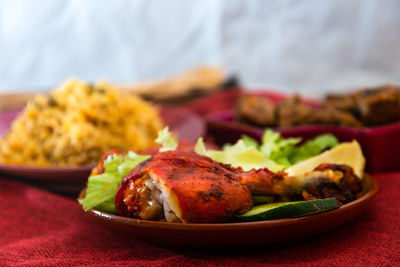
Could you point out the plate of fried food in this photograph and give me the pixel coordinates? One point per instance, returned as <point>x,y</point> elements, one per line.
<point>60,136</point>
<point>369,115</point>
<point>248,193</point>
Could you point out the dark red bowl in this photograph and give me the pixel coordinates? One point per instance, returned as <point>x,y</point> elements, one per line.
<point>380,145</point>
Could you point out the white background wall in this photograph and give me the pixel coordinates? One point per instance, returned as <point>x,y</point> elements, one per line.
<point>310,46</point>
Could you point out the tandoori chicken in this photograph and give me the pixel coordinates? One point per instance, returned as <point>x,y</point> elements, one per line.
<point>182,186</point>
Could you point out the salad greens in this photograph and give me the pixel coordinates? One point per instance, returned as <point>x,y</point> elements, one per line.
<point>239,155</point>
<point>274,152</point>
<point>284,150</point>
<point>277,148</point>
<point>166,139</point>
<point>101,188</point>
<point>313,147</point>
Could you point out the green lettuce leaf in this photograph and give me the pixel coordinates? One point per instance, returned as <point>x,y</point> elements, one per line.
<point>101,189</point>
<point>277,148</point>
<point>166,139</point>
<point>250,142</point>
<point>275,152</point>
<point>313,147</point>
<point>100,192</point>
<point>286,151</point>
<point>238,155</point>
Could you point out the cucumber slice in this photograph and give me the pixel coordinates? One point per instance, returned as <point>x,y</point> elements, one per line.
<point>280,210</point>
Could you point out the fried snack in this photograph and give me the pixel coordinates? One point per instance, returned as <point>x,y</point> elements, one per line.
<point>293,111</point>
<point>372,106</point>
<point>76,124</point>
<point>343,102</point>
<point>255,110</point>
<point>331,116</point>
<point>367,107</point>
<point>380,105</point>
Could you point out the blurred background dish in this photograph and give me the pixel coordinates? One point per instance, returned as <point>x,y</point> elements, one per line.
<point>177,89</point>
<point>69,180</point>
<point>379,143</point>
<point>367,107</point>
<point>190,85</point>
<point>78,122</point>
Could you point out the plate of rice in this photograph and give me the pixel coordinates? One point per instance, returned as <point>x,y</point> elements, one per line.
<point>61,136</point>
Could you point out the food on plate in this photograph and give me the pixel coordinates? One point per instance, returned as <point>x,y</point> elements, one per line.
<point>200,185</point>
<point>364,108</point>
<point>259,111</point>
<point>293,111</point>
<point>78,122</point>
<point>182,186</point>
<point>331,180</point>
<point>274,152</point>
<point>256,110</point>
<point>372,106</point>
<point>348,153</point>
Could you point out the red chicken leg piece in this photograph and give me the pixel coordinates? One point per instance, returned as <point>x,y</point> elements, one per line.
<point>182,186</point>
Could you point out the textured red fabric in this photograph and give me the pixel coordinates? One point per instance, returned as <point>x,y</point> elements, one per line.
<point>222,100</point>
<point>41,228</point>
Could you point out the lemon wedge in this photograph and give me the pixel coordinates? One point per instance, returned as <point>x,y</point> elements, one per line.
<point>348,153</point>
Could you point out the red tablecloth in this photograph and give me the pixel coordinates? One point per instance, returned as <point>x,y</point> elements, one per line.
<point>41,228</point>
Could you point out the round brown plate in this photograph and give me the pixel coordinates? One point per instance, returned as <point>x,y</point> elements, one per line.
<point>236,234</point>
<point>187,124</point>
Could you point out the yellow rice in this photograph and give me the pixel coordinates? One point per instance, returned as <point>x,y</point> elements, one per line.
<point>76,124</point>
